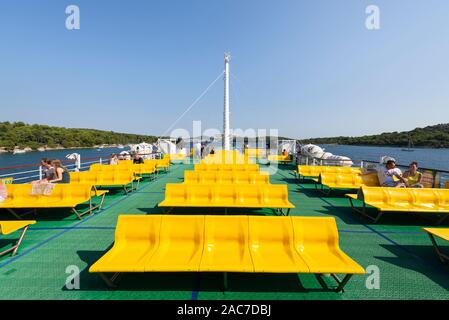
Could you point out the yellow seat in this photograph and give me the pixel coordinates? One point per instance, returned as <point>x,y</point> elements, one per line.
<point>163,163</point>
<point>62,196</point>
<point>227,167</point>
<point>315,171</point>
<point>279,158</point>
<point>177,157</point>
<point>346,180</point>
<point>181,244</point>
<point>228,157</point>
<point>442,233</point>
<point>230,177</point>
<point>111,178</point>
<point>136,240</point>
<point>226,195</point>
<point>7,227</point>
<point>316,240</point>
<point>255,153</point>
<point>226,245</point>
<point>420,200</point>
<point>170,243</point>
<point>272,246</point>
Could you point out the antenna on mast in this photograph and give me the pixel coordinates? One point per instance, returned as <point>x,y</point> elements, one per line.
<point>226,131</point>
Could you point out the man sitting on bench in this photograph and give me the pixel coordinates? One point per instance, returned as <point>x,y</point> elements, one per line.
<point>386,174</point>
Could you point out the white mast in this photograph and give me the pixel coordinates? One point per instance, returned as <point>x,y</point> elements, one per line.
<point>226,135</point>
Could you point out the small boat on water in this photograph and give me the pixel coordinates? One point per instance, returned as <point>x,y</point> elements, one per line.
<point>410,145</point>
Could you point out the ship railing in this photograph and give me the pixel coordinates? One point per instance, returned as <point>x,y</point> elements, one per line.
<point>30,172</point>
<point>436,177</point>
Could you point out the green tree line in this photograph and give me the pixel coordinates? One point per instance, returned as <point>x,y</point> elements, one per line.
<point>23,135</point>
<point>436,136</point>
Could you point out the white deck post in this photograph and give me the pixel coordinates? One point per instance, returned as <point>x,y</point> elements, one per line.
<point>226,135</point>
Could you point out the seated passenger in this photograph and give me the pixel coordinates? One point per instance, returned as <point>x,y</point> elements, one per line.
<point>138,159</point>
<point>3,191</point>
<point>212,151</point>
<point>386,174</point>
<point>61,173</point>
<point>48,171</point>
<point>413,176</point>
<point>285,153</point>
<point>113,160</point>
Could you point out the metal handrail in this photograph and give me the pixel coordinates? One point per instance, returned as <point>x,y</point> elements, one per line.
<point>18,176</point>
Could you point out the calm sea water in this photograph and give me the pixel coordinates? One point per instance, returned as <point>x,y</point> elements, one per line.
<point>429,158</point>
<point>426,158</point>
<point>9,159</point>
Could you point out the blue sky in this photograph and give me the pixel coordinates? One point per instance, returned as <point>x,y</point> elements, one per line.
<point>308,68</point>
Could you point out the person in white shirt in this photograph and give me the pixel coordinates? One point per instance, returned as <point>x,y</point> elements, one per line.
<point>386,174</point>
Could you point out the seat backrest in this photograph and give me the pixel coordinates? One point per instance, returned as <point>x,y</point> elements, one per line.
<point>176,191</point>
<point>311,233</point>
<point>18,191</point>
<point>443,198</point>
<point>141,229</point>
<point>182,230</point>
<point>428,196</point>
<point>269,232</point>
<point>275,192</point>
<point>225,230</point>
<point>374,195</point>
<point>371,180</point>
<point>400,196</point>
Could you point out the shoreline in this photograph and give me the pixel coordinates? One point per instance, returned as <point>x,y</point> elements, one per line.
<point>379,146</point>
<point>44,149</point>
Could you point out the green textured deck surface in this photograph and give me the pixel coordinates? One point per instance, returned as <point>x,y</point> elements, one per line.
<point>409,267</point>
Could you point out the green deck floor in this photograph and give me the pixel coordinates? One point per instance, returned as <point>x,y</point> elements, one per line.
<point>409,267</point>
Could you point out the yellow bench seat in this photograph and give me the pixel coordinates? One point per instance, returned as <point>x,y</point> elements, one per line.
<point>419,200</point>
<point>315,171</point>
<point>279,158</point>
<point>442,233</point>
<point>231,177</point>
<point>346,181</point>
<point>109,178</point>
<point>227,167</point>
<point>226,195</point>
<point>8,227</point>
<point>62,196</point>
<point>203,243</point>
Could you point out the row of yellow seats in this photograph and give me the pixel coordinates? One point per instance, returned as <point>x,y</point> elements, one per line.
<point>419,200</point>
<point>139,169</point>
<point>165,243</point>
<point>226,195</point>
<point>227,167</point>
<point>255,153</point>
<point>106,178</point>
<point>225,160</point>
<point>315,171</point>
<point>279,158</point>
<point>163,163</point>
<point>347,180</point>
<point>62,196</point>
<point>230,177</point>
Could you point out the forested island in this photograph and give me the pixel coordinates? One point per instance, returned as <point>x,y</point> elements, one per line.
<point>436,136</point>
<point>21,135</point>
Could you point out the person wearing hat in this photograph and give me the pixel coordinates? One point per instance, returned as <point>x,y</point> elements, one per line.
<point>387,173</point>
